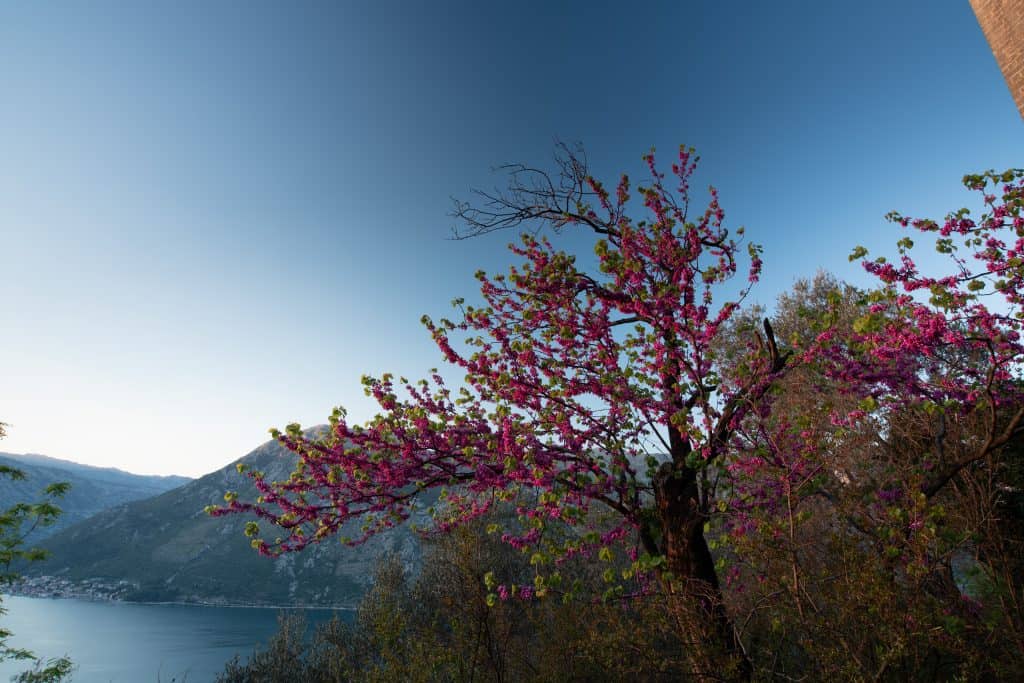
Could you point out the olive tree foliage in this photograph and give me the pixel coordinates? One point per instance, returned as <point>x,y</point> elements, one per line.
<point>440,625</point>
<point>16,523</point>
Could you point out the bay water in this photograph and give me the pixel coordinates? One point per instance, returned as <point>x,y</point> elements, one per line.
<point>136,643</point>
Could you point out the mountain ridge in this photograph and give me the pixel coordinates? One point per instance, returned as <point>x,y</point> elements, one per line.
<point>98,471</point>
<point>167,549</point>
<point>93,489</point>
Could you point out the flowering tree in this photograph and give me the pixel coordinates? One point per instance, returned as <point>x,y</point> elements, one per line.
<point>961,349</point>
<point>895,445</point>
<point>583,389</point>
<point>947,348</point>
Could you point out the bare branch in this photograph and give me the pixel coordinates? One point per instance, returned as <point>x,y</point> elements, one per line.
<point>534,196</point>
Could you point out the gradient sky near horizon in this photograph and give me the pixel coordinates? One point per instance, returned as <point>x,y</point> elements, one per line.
<point>215,217</point>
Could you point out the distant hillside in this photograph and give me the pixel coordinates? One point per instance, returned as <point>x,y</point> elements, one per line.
<point>93,489</point>
<point>173,551</point>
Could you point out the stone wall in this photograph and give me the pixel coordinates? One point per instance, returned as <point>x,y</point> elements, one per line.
<point>1003,24</point>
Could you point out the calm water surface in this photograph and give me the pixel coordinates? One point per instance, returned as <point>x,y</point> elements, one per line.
<point>131,643</point>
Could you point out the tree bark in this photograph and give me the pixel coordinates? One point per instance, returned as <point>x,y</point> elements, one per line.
<point>714,650</point>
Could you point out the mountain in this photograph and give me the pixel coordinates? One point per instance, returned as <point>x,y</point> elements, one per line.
<point>166,548</point>
<point>93,489</point>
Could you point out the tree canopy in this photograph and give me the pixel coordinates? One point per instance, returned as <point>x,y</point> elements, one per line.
<point>16,523</point>
<point>640,389</point>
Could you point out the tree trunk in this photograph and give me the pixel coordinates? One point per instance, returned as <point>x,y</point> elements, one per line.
<point>714,651</point>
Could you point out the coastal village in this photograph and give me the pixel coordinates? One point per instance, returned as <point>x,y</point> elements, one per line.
<point>58,587</point>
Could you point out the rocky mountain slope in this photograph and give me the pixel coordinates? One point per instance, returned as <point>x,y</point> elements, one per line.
<point>93,489</point>
<point>168,549</point>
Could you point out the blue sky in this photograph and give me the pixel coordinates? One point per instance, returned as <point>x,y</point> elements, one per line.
<point>217,216</point>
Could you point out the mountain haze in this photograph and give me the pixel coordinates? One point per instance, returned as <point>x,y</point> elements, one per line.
<point>170,550</point>
<point>93,489</point>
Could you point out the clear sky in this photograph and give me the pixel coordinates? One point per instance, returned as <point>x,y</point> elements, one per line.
<point>214,217</point>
